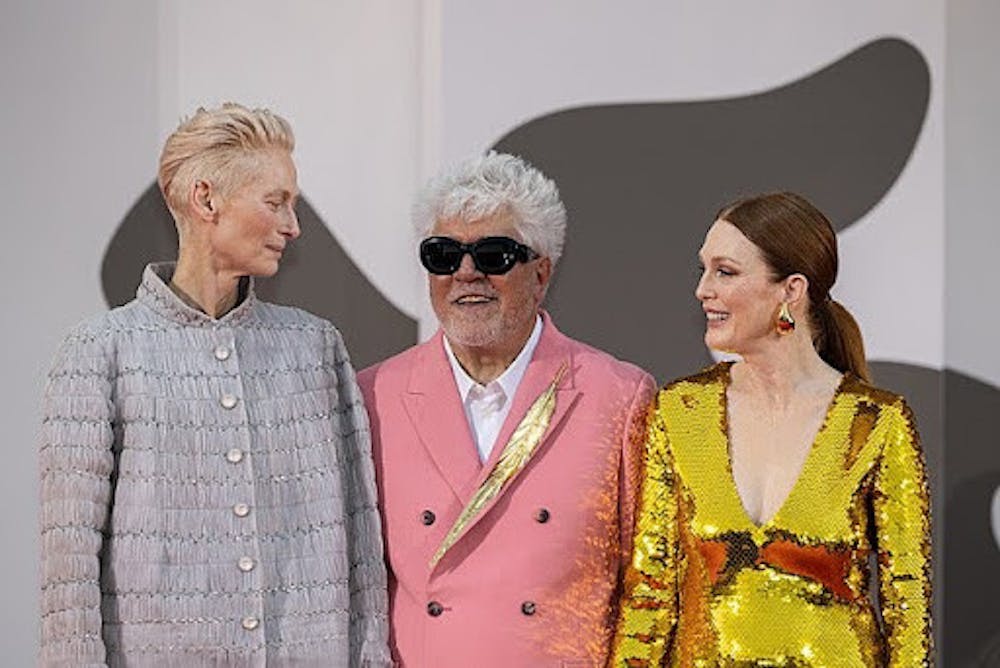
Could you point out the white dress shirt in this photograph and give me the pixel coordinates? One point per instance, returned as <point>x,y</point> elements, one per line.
<point>486,406</point>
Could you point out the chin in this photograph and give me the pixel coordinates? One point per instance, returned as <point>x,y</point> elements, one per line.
<point>715,342</point>
<point>263,269</point>
<point>473,335</point>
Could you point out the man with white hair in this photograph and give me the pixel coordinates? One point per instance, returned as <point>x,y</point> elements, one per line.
<point>506,453</point>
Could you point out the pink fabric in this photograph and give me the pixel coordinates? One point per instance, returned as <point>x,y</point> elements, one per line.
<point>566,569</point>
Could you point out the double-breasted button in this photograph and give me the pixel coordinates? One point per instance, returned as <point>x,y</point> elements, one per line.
<point>250,623</point>
<point>222,353</point>
<point>434,609</point>
<point>427,517</point>
<point>528,608</point>
<point>542,515</point>
<point>234,456</point>
<point>228,401</point>
<point>246,564</point>
<point>241,509</point>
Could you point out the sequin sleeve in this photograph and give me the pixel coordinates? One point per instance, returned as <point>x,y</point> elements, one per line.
<point>902,520</point>
<point>76,463</point>
<point>648,610</point>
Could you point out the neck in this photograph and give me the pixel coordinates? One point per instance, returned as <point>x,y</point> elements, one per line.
<point>784,369</point>
<point>485,364</point>
<point>201,285</point>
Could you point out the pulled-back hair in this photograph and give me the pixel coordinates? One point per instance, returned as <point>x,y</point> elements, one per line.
<point>214,145</point>
<point>794,237</point>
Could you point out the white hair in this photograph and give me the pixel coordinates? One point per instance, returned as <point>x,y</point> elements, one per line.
<point>484,185</point>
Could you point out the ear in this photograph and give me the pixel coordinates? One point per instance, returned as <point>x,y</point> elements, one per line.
<point>201,201</point>
<point>795,289</point>
<point>543,274</point>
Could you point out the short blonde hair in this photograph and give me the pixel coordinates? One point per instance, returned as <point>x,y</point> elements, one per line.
<point>211,144</point>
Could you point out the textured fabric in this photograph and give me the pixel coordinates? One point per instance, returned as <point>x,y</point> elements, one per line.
<point>708,587</point>
<point>208,492</point>
<point>534,578</point>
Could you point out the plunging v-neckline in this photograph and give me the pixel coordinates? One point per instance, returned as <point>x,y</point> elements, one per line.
<point>728,455</point>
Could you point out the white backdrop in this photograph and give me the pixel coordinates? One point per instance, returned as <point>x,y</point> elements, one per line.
<point>381,92</point>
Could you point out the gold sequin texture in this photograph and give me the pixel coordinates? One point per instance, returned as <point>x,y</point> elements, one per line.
<point>707,587</point>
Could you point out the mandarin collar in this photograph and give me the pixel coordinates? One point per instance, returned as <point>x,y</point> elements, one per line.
<point>154,291</point>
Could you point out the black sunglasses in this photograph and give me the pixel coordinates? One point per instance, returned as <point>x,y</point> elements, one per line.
<point>491,255</point>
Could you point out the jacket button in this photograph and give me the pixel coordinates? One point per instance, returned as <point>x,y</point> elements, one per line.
<point>434,609</point>
<point>542,516</point>
<point>427,517</point>
<point>528,608</point>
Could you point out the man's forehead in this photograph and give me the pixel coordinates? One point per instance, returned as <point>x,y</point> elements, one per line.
<point>464,228</point>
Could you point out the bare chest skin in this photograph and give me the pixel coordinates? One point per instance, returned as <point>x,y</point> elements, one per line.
<point>769,443</point>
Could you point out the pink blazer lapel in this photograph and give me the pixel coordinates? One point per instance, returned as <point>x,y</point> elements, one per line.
<point>436,413</point>
<point>551,353</point>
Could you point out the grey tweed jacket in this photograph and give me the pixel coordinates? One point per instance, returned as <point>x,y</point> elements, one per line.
<point>208,496</point>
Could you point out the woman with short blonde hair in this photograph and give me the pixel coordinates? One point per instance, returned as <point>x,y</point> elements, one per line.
<point>207,487</point>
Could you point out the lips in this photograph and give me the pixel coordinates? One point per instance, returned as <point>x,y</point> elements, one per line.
<point>277,249</point>
<point>716,317</point>
<point>466,300</point>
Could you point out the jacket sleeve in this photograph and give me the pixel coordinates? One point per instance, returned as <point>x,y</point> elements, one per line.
<point>76,463</point>
<point>648,610</point>
<point>633,454</point>
<point>902,522</point>
<point>369,630</point>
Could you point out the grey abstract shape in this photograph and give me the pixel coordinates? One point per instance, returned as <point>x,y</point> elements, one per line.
<point>316,274</point>
<point>989,656</point>
<point>641,183</point>
<point>972,475</point>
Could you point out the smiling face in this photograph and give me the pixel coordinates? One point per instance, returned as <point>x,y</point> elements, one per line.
<point>493,314</point>
<point>737,291</point>
<point>256,221</point>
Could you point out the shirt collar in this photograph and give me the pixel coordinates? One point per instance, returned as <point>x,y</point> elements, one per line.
<point>511,376</point>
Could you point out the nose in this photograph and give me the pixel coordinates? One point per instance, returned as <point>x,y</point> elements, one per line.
<point>703,290</point>
<point>467,270</point>
<point>291,229</point>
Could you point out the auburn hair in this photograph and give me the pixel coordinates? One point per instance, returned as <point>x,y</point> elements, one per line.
<point>795,237</point>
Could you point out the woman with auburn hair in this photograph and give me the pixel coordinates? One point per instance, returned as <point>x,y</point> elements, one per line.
<point>774,484</point>
<point>207,486</point>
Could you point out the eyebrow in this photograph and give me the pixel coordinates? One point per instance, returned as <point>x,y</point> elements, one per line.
<point>721,258</point>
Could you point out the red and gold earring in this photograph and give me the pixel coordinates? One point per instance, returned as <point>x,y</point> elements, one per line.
<point>785,323</point>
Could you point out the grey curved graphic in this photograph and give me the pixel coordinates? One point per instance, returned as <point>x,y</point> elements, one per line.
<point>641,183</point>
<point>972,563</point>
<point>316,274</point>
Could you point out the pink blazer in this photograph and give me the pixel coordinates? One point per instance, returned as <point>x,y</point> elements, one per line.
<point>534,579</point>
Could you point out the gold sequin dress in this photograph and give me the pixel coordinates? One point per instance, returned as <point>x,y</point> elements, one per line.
<point>709,587</point>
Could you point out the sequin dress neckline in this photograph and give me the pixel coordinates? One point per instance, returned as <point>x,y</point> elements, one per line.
<point>815,444</point>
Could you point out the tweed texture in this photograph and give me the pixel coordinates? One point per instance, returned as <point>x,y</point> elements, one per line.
<point>208,492</point>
